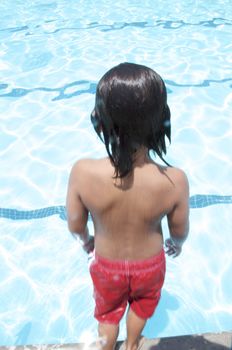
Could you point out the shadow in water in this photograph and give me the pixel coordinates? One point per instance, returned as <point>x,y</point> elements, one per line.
<point>157,323</point>
<point>23,334</point>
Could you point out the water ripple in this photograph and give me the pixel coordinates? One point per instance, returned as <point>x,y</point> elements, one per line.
<point>196,201</point>
<point>91,89</point>
<point>205,83</point>
<point>14,29</point>
<point>166,24</point>
<point>62,94</point>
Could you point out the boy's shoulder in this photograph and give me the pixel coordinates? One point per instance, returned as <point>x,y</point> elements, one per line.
<point>81,165</point>
<point>177,173</point>
<point>178,177</point>
<point>85,166</point>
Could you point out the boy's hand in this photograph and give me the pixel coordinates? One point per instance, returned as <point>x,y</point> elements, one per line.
<point>89,246</point>
<point>172,248</point>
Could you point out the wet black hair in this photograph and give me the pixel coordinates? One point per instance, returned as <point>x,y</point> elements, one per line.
<point>131,111</point>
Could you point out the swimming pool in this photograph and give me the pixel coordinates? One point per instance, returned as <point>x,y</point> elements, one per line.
<point>52,55</point>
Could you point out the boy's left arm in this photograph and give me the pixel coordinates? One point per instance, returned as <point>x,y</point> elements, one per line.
<point>77,213</point>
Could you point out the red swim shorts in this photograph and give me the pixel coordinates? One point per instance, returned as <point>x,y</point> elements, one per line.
<point>117,282</point>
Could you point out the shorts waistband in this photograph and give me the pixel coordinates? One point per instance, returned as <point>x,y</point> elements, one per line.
<point>133,265</point>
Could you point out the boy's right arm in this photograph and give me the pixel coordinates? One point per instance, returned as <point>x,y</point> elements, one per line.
<point>178,218</point>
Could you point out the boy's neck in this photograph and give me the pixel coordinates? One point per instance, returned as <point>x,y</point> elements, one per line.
<point>141,156</point>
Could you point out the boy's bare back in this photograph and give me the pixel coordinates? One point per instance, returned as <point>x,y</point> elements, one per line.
<point>128,195</point>
<point>127,213</point>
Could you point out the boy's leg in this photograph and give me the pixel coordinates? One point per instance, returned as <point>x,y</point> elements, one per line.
<point>134,325</point>
<point>110,333</point>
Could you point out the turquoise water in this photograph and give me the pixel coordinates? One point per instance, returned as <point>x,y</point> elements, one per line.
<point>52,56</point>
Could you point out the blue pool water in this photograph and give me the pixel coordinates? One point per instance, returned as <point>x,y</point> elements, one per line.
<point>52,56</point>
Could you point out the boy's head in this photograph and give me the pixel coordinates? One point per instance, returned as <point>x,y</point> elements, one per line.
<point>131,111</point>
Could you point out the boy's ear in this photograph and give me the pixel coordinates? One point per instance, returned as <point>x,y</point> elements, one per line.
<point>96,122</point>
<point>167,122</point>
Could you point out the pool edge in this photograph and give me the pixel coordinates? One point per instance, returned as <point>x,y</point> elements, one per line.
<point>206,341</point>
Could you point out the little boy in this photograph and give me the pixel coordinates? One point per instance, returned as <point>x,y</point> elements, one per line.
<point>128,195</point>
